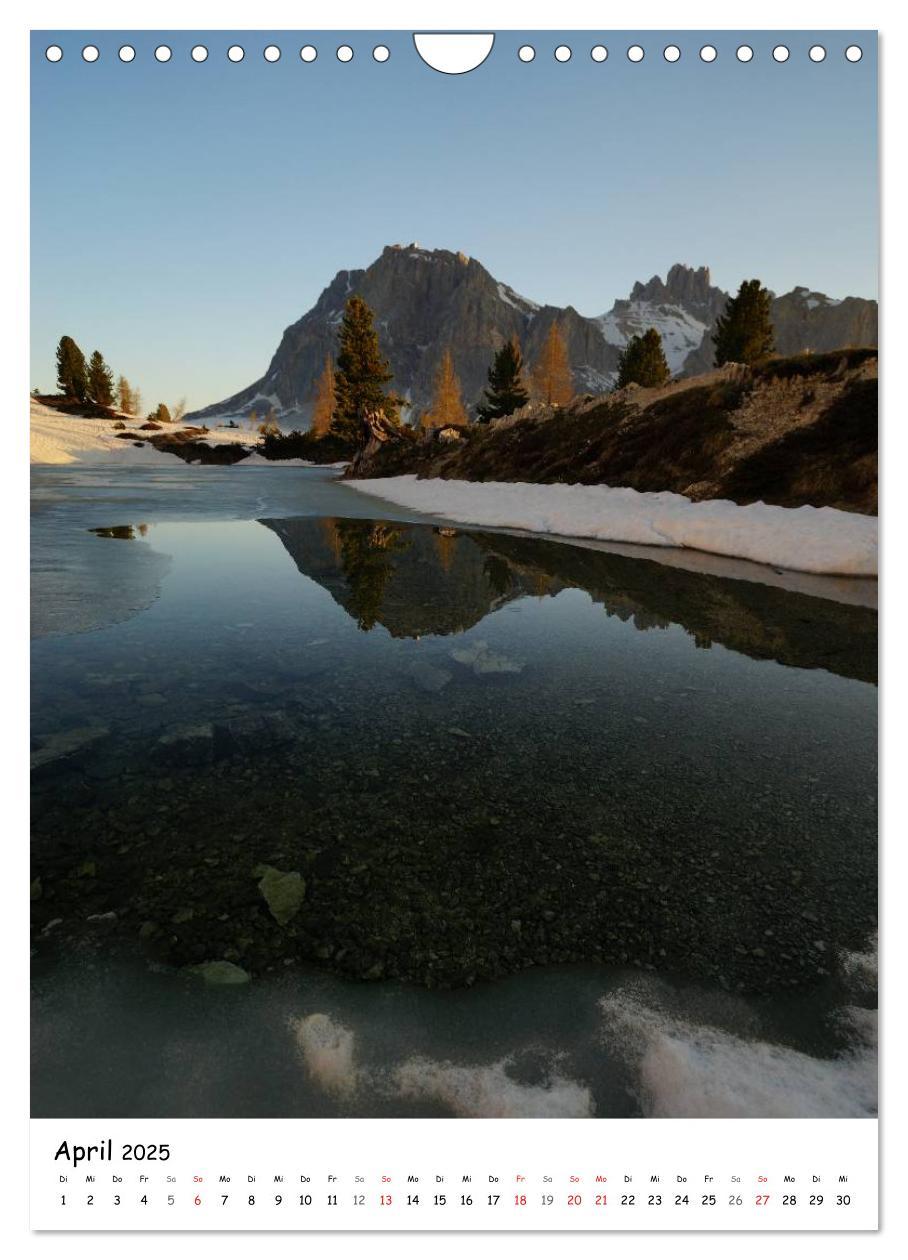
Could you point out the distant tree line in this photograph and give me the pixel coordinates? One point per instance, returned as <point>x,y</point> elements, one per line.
<point>93,382</point>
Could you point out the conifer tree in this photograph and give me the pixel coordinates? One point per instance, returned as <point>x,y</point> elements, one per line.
<point>643,361</point>
<point>162,414</point>
<point>124,395</point>
<point>744,332</point>
<point>505,392</point>
<point>325,400</point>
<point>136,402</point>
<point>552,373</point>
<point>447,403</point>
<point>100,380</point>
<point>362,372</point>
<point>72,374</point>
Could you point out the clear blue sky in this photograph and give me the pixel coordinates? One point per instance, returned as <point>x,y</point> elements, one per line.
<point>184,214</point>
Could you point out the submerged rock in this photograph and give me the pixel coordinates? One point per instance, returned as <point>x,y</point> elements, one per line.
<point>64,744</point>
<point>429,677</point>
<point>186,745</point>
<point>482,660</point>
<point>219,972</point>
<point>253,732</point>
<point>284,891</point>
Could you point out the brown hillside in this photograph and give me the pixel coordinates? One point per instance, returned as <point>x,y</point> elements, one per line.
<point>794,431</point>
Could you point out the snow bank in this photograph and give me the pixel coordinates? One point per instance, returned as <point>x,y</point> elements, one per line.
<point>806,539</point>
<point>57,438</point>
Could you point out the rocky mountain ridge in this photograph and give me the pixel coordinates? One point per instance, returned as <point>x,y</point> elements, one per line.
<point>427,301</point>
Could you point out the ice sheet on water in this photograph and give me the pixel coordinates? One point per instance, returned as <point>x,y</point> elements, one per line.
<point>682,1069</point>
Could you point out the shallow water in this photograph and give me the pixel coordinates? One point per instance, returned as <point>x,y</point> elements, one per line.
<point>482,754</point>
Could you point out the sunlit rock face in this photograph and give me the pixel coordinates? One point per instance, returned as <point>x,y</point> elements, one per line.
<point>428,301</point>
<point>425,302</point>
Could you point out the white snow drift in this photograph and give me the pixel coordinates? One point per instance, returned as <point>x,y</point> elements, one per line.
<point>57,438</point>
<point>807,539</point>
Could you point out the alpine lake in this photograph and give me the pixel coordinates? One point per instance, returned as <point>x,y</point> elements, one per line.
<point>322,791</point>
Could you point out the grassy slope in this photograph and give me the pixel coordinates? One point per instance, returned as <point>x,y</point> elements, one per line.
<point>791,431</point>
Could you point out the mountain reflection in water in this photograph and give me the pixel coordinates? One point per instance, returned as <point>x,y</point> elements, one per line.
<point>496,771</point>
<point>418,580</point>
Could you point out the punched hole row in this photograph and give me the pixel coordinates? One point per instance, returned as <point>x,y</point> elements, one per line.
<point>235,53</point>
<point>672,53</point>
<point>526,53</point>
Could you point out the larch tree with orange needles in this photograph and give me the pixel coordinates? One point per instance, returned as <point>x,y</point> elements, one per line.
<point>447,403</point>
<point>552,373</point>
<point>325,400</point>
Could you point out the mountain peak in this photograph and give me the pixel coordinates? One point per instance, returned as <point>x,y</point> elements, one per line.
<point>685,286</point>
<point>414,250</point>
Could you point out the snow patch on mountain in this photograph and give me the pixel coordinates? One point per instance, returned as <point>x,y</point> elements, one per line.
<point>519,303</point>
<point>680,331</point>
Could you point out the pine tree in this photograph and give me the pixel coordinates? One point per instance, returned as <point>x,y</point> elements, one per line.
<point>643,361</point>
<point>136,402</point>
<point>552,373</point>
<point>100,380</point>
<point>744,332</point>
<point>124,395</point>
<point>325,400</point>
<point>72,374</point>
<point>162,414</point>
<point>362,373</point>
<point>369,550</point>
<point>505,392</point>
<point>447,403</point>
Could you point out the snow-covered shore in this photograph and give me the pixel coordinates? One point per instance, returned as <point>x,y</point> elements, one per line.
<point>57,438</point>
<point>805,539</point>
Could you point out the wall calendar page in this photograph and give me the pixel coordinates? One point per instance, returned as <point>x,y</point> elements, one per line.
<point>454,556</point>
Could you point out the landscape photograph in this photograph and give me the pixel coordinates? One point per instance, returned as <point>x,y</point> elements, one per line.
<point>454,557</point>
